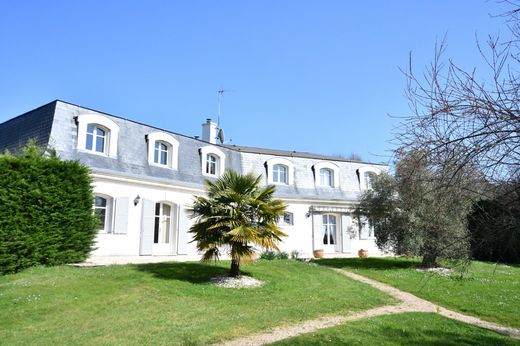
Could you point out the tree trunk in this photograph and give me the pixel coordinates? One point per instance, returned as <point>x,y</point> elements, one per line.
<point>429,260</point>
<point>235,268</point>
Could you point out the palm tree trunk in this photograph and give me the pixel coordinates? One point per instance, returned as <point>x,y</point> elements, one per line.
<point>235,268</point>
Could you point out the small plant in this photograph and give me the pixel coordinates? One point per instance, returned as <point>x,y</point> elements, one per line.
<point>272,255</point>
<point>268,255</point>
<point>295,254</point>
<point>282,255</point>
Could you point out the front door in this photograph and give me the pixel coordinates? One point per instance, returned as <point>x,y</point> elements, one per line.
<point>163,239</point>
<point>329,233</point>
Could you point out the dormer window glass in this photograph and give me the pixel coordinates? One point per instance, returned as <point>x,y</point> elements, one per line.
<point>280,174</point>
<point>160,153</point>
<point>96,138</point>
<point>212,162</point>
<point>369,178</point>
<point>326,177</point>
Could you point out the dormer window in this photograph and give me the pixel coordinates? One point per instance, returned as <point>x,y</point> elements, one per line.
<point>163,150</point>
<point>97,134</point>
<point>280,174</point>
<point>326,174</point>
<point>366,177</point>
<point>97,138</point>
<point>212,161</point>
<point>280,171</point>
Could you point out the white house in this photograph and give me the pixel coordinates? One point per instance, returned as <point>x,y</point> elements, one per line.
<point>145,177</point>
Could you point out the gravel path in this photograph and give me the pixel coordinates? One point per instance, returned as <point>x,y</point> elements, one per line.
<point>409,303</point>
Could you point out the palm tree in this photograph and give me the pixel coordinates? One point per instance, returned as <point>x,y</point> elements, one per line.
<point>237,213</point>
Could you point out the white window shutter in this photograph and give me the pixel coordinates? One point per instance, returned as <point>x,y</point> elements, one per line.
<point>339,237</point>
<point>318,231</point>
<point>121,215</point>
<point>184,227</point>
<point>147,227</point>
<point>346,226</point>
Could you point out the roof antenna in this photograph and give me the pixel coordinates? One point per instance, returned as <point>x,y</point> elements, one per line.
<point>220,132</point>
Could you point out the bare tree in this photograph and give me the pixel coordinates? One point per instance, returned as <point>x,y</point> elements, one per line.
<point>468,121</point>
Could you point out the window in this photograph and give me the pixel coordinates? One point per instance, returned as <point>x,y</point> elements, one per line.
<point>160,155</point>
<point>97,134</point>
<point>366,229</point>
<point>288,218</point>
<point>280,174</point>
<point>326,174</point>
<point>102,209</point>
<point>326,177</point>
<point>96,138</point>
<point>366,177</point>
<point>163,150</point>
<point>280,171</point>
<point>369,178</point>
<point>329,230</point>
<point>212,161</point>
<point>163,223</point>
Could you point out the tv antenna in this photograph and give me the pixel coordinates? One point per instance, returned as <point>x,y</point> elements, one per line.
<point>220,132</point>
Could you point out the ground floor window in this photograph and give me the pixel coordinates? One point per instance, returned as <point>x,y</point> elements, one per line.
<point>329,229</point>
<point>163,224</point>
<point>102,209</point>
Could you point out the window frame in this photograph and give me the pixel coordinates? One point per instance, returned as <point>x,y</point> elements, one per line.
<point>277,172</point>
<point>326,229</point>
<point>205,153</point>
<point>271,163</point>
<point>364,170</point>
<point>288,218</point>
<point>94,143</point>
<point>84,121</point>
<point>333,168</point>
<point>159,220</point>
<point>109,208</point>
<point>172,146</point>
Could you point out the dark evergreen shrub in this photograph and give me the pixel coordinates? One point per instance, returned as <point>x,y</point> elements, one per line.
<point>45,210</point>
<point>495,227</point>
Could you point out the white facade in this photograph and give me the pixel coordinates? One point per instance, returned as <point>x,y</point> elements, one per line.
<point>145,178</point>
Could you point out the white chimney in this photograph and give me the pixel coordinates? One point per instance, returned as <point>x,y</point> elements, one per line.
<point>209,131</point>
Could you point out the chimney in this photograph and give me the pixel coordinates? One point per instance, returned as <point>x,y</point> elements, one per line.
<point>209,131</point>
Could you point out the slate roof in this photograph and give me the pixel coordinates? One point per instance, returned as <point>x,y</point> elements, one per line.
<point>35,124</point>
<point>289,153</point>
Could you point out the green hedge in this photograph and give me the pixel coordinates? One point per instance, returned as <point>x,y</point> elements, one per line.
<point>45,211</point>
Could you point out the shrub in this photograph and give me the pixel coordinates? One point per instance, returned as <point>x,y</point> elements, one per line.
<point>271,255</point>
<point>45,210</point>
<point>295,254</point>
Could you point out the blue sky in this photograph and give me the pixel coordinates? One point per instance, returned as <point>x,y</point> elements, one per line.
<point>318,76</point>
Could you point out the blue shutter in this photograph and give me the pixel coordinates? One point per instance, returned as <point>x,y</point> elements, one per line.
<point>121,215</point>
<point>147,225</point>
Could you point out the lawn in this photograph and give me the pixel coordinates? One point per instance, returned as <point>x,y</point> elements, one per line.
<point>488,291</point>
<point>402,329</point>
<point>168,303</point>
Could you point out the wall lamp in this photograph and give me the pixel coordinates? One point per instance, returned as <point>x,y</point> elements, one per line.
<point>136,200</point>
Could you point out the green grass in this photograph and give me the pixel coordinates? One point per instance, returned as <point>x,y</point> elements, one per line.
<point>402,329</point>
<point>167,303</point>
<point>488,291</point>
